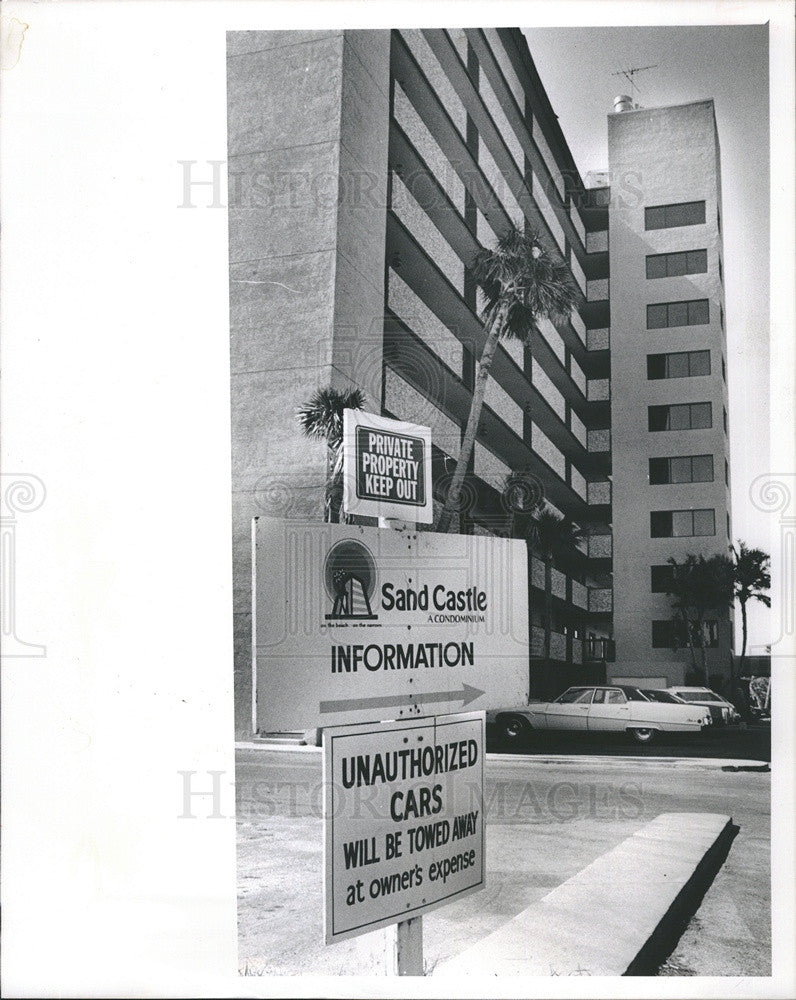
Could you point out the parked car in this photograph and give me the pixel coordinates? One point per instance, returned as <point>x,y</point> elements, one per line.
<point>722,711</point>
<point>607,708</point>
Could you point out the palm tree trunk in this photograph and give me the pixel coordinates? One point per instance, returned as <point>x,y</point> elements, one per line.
<point>548,608</point>
<point>743,637</point>
<point>468,442</point>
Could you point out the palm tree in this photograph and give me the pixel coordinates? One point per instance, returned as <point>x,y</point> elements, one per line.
<point>550,535</point>
<point>698,587</point>
<point>322,418</point>
<point>522,498</point>
<point>522,282</point>
<point>751,577</point>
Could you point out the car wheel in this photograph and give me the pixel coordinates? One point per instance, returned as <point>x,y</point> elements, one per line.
<point>643,735</point>
<point>514,728</point>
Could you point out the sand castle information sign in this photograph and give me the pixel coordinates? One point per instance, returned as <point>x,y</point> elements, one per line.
<point>386,468</point>
<point>403,819</point>
<point>356,624</point>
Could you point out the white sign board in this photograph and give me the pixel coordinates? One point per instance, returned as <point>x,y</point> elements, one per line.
<point>386,468</point>
<point>355,624</point>
<point>403,819</point>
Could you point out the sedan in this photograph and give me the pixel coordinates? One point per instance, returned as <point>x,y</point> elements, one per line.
<point>721,710</point>
<point>610,709</point>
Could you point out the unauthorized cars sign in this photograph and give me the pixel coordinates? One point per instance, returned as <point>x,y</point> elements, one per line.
<point>354,624</point>
<point>386,468</point>
<point>403,819</point>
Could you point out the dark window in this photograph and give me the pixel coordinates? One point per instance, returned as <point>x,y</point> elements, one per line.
<point>721,314</point>
<point>672,634</point>
<point>672,265</point>
<point>728,526</point>
<point>663,634</point>
<point>679,417</point>
<point>686,213</point>
<point>682,523</point>
<point>678,364</point>
<point>693,312</point>
<point>726,473</point>
<point>721,271</point>
<point>725,419</point>
<point>683,469</point>
<point>723,370</point>
<point>661,579</point>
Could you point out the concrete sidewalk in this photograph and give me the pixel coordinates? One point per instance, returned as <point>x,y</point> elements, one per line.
<point>590,760</point>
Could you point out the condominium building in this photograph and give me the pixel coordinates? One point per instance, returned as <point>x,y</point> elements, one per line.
<point>669,426</point>
<point>366,168</point>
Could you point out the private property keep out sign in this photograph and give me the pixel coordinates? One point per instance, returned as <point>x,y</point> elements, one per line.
<point>386,467</point>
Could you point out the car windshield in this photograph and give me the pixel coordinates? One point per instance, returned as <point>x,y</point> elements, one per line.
<point>573,694</point>
<point>698,696</point>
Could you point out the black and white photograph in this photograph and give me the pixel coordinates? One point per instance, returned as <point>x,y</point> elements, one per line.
<point>398,499</point>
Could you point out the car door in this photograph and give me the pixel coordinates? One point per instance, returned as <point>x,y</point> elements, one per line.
<point>571,711</point>
<point>609,711</point>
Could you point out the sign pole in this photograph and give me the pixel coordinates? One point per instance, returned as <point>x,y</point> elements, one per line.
<point>405,948</point>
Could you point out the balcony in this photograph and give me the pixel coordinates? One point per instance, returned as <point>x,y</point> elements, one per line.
<point>598,340</point>
<point>599,648</point>
<point>597,290</point>
<point>597,241</point>
<point>601,601</point>
<point>600,546</point>
<point>599,390</point>
<point>599,492</point>
<point>599,441</point>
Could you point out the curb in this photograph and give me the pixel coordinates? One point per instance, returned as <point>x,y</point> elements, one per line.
<point>703,763</point>
<point>600,925</point>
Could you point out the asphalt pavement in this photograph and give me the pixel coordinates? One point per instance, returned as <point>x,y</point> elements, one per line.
<point>546,821</point>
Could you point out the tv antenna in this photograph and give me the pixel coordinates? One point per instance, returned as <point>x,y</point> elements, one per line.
<point>630,73</point>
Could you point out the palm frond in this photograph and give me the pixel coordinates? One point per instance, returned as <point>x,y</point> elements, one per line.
<point>523,272</point>
<point>322,416</point>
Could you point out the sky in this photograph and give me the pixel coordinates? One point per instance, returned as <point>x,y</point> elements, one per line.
<point>730,64</point>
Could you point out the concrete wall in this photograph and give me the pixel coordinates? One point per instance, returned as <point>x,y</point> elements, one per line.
<point>307,152</point>
<point>671,154</point>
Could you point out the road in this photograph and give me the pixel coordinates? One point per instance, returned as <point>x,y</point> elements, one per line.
<point>751,742</point>
<point>545,822</point>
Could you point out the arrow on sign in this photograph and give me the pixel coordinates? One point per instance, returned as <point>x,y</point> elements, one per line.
<point>465,695</point>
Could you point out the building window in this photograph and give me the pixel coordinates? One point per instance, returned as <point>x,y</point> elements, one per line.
<point>693,312</point>
<point>724,411</point>
<point>671,634</point>
<point>679,364</point>
<point>728,525</point>
<point>721,314</point>
<point>682,469</point>
<point>680,417</point>
<point>726,473</point>
<point>661,579</point>
<point>723,370</point>
<point>673,265</point>
<point>686,213</point>
<point>682,523</point>
<point>721,271</point>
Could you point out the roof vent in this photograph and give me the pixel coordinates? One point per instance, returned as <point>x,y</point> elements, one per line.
<point>623,103</point>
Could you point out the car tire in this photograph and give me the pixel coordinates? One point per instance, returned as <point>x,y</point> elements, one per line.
<point>643,736</point>
<point>514,728</point>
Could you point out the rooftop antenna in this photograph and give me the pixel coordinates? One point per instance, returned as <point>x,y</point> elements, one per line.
<point>629,75</point>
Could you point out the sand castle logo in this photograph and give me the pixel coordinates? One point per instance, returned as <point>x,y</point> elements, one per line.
<point>350,577</point>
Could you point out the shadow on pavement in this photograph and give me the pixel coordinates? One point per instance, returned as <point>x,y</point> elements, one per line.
<point>732,742</point>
